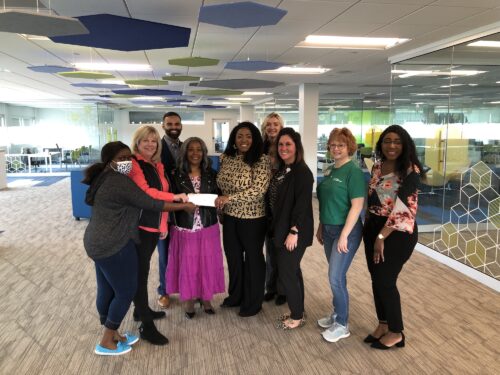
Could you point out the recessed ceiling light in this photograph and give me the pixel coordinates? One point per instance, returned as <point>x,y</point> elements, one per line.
<point>296,70</point>
<point>347,42</point>
<point>114,67</point>
<point>256,93</point>
<point>485,43</point>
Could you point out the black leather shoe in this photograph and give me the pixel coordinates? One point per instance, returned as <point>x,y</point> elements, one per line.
<point>371,339</point>
<point>209,311</point>
<point>246,314</point>
<point>189,314</point>
<point>399,344</point>
<point>149,333</point>
<point>227,303</point>
<point>280,300</point>
<point>269,296</point>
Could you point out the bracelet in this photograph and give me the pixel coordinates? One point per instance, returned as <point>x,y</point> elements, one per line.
<point>293,231</point>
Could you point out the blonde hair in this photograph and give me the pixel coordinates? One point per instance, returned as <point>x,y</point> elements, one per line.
<point>264,123</point>
<point>142,133</point>
<point>344,135</point>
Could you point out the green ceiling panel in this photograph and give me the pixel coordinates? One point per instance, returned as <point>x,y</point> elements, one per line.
<point>216,92</point>
<point>193,61</point>
<point>86,75</point>
<point>146,82</point>
<point>180,78</point>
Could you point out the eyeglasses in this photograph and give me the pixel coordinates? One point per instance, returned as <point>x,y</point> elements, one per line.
<point>396,142</point>
<point>340,146</point>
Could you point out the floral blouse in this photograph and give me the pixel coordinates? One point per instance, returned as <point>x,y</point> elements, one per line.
<point>197,224</point>
<point>395,198</point>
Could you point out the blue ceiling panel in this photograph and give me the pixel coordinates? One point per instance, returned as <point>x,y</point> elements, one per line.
<point>148,92</point>
<point>253,66</point>
<point>127,34</point>
<point>54,69</point>
<point>100,85</point>
<point>206,106</point>
<point>243,14</point>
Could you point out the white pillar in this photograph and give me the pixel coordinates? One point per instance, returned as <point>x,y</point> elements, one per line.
<point>247,113</point>
<point>308,124</point>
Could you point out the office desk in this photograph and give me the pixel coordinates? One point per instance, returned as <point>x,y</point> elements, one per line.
<point>47,156</point>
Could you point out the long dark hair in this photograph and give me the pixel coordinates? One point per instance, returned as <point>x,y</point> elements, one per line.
<point>182,162</point>
<point>408,155</point>
<point>299,149</point>
<point>108,153</point>
<point>256,149</point>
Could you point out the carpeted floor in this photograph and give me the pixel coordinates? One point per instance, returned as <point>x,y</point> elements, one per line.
<point>49,325</point>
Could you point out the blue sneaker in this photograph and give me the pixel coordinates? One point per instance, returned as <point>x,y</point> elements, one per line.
<point>121,348</point>
<point>130,339</point>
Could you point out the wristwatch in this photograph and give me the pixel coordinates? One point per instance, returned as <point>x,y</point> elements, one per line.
<point>380,236</point>
<point>293,231</point>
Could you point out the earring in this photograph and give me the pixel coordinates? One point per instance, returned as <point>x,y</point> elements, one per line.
<point>234,146</point>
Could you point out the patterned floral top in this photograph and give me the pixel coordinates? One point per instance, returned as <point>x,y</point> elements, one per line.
<point>395,198</point>
<point>197,224</point>
<point>244,185</point>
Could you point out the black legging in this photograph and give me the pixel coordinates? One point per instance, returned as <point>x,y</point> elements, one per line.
<point>290,279</point>
<point>243,245</point>
<point>145,250</point>
<point>398,247</point>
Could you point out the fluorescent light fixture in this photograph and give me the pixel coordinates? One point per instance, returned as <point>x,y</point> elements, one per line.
<point>348,42</point>
<point>239,99</point>
<point>147,98</point>
<point>494,102</point>
<point>34,37</point>
<point>452,85</point>
<point>367,101</point>
<point>485,43</point>
<point>113,82</point>
<point>401,100</point>
<point>146,106</point>
<point>114,67</point>
<point>429,94</point>
<point>435,73</point>
<point>256,93</point>
<point>473,84</point>
<point>296,70</point>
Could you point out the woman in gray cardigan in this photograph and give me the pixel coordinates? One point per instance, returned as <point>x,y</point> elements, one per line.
<point>111,237</point>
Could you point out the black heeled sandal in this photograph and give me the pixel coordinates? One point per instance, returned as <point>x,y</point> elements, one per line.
<point>399,344</point>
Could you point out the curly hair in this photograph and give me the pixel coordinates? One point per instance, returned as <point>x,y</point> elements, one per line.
<point>142,133</point>
<point>256,149</point>
<point>408,155</point>
<point>108,153</point>
<point>344,135</point>
<point>183,163</point>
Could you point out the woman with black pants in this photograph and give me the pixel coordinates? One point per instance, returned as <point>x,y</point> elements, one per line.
<point>290,200</point>
<point>243,179</point>
<point>148,173</point>
<point>390,231</point>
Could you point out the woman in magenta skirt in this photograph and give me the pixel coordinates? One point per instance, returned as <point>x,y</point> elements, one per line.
<point>195,267</point>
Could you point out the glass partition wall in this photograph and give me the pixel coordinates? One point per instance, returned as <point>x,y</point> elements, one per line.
<point>449,101</point>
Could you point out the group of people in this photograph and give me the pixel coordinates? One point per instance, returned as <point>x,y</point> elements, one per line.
<point>262,194</point>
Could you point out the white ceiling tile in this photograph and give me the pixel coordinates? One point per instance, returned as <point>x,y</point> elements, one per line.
<point>480,19</point>
<point>469,3</point>
<point>375,13</point>
<point>402,30</point>
<point>434,15</point>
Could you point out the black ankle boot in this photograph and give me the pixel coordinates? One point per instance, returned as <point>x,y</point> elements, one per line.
<point>149,333</point>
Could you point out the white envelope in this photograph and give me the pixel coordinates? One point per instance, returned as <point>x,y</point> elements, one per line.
<point>203,199</point>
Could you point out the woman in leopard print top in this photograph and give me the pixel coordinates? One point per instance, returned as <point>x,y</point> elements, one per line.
<point>244,177</point>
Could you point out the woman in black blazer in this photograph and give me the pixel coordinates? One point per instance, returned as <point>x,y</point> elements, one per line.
<point>290,202</point>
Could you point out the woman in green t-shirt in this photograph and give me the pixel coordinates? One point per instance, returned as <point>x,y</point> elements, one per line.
<point>341,196</point>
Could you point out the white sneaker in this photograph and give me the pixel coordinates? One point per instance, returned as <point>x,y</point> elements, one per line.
<point>327,321</point>
<point>335,333</point>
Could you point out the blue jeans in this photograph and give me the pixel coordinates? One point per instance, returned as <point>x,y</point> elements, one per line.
<point>162,264</point>
<point>339,264</point>
<point>116,285</point>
